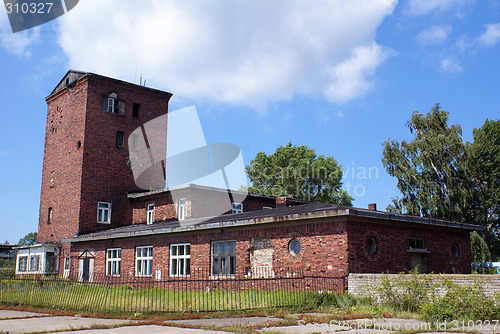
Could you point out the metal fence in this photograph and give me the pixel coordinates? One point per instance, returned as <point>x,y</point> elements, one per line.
<point>198,292</point>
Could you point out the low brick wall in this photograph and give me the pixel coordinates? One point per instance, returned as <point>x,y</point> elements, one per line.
<point>366,284</point>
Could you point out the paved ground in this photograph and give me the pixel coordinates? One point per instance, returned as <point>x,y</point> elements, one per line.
<point>149,329</point>
<point>225,322</point>
<point>27,322</point>
<point>8,314</point>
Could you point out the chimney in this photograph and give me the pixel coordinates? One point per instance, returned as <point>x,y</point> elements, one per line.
<point>282,201</point>
<point>372,206</point>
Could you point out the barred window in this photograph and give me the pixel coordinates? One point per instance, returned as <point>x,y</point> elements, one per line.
<point>224,258</point>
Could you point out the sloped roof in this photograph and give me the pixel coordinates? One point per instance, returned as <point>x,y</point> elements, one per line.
<point>252,218</point>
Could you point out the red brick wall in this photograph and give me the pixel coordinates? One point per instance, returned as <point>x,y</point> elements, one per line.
<point>393,244</point>
<point>324,249</point>
<point>82,164</point>
<point>62,164</point>
<point>106,175</point>
<point>331,248</point>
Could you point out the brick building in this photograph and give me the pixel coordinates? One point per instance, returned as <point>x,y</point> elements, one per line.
<point>95,220</point>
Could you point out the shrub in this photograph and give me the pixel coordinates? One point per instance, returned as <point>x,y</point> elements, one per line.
<point>461,302</point>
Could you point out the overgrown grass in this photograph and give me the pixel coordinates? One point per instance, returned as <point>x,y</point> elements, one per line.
<point>437,302</point>
<point>94,297</point>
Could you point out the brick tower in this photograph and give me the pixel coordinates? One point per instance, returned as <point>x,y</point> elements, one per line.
<point>86,174</point>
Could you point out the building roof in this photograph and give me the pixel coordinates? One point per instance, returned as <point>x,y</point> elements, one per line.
<point>145,194</point>
<point>72,76</point>
<point>252,218</point>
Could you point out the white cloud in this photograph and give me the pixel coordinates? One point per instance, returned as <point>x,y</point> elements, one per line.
<point>248,53</point>
<point>491,36</point>
<point>421,7</point>
<point>19,42</point>
<point>450,65</point>
<point>349,79</point>
<point>434,35</point>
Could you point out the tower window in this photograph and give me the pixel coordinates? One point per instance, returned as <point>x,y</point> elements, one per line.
<point>119,138</point>
<point>112,104</point>
<point>135,110</point>
<point>104,212</point>
<point>49,215</point>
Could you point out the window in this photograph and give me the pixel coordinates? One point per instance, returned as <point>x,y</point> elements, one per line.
<point>224,258</point>
<point>66,263</point>
<point>294,247</point>
<point>144,261</point>
<point>104,212</point>
<point>50,262</point>
<point>150,213</point>
<point>133,142</point>
<point>113,260</point>
<point>135,110</point>
<point>267,208</point>
<point>416,243</point>
<point>180,259</point>
<point>237,208</point>
<point>49,215</point>
<point>35,263</point>
<point>22,264</point>
<point>182,209</point>
<point>112,104</point>
<point>371,246</point>
<point>454,251</point>
<point>119,138</point>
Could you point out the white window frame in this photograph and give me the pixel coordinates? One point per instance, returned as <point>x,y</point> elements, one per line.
<point>237,207</point>
<point>181,215</point>
<point>66,266</point>
<point>150,213</point>
<point>38,262</point>
<point>99,214</point>
<point>113,261</point>
<point>26,266</point>
<point>182,261</point>
<point>111,104</point>
<point>144,263</point>
<point>224,257</point>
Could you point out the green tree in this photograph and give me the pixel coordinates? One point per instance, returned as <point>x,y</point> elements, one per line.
<point>430,168</point>
<point>479,250</point>
<point>28,240</point>
<point>297,171</point>
<point>483,167</point>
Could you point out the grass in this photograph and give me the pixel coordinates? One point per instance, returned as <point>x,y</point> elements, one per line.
<point>87,296</point>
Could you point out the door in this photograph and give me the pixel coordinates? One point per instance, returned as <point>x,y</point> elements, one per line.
<point>86,267</point>
<point>416,261</point>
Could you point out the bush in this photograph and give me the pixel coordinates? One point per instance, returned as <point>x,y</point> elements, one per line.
<point>416,293</point>
<point>461,302</point>
<point>407,292</point>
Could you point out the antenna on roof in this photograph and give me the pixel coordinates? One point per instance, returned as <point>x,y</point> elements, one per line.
<point>144,82</point>
<point>140,82</point>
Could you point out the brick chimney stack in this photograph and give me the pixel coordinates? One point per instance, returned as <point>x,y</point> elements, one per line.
<point>372,206</point>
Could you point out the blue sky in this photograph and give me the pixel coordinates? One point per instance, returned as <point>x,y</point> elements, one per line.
<point>338,76</point>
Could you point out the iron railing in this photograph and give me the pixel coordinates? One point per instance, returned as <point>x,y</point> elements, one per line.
<point>198,292</point>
